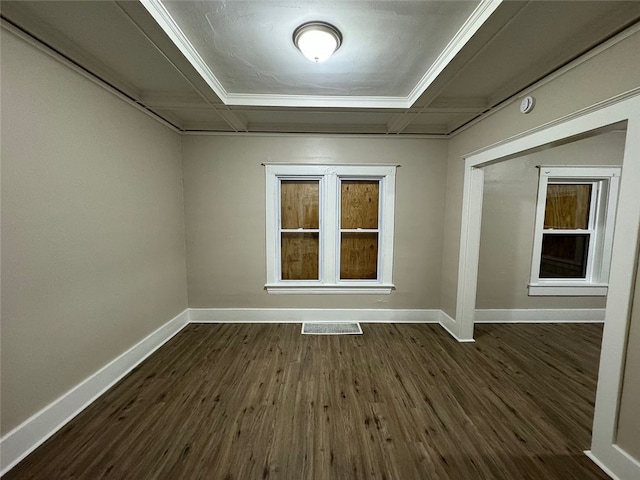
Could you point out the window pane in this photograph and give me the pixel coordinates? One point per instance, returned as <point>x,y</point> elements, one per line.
<point>359,256</point>
<point>359,203</point>
<point>567,206</point>
<point>564,256</point>
<point>299,200</point>
<point>299,256</point>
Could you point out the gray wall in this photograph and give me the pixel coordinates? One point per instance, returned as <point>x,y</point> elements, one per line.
<point>629,417</point>
<point>612,72</point>
<point>93,256</point>
<point>508,220</point>
<point>225,217</point>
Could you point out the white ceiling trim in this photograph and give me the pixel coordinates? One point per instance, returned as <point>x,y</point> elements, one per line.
<point>337,101</point>
<point>162,16</point>
<point>480,15</point>
<point>409,136</point>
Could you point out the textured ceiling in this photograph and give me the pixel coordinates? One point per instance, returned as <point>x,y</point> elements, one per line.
<point>248,44</point>
<point>248,70</point>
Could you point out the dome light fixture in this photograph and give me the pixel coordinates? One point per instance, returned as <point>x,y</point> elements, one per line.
<point>317,40</point>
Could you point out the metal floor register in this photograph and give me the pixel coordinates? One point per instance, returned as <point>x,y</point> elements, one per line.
<point>331,328</point>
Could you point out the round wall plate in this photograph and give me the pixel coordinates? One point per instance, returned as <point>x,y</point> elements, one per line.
<point>527,103</point>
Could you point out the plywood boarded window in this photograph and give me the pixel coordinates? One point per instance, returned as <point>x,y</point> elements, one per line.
<point>330,228</point>
<point>299,204</point>
<point>359,212</point>
<point>300,256</point>
<point>299,229</point>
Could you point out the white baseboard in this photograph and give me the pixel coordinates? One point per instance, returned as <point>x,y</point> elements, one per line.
<point>299,315</point>
<point>615,462</point>
<point>562,315</point>
<point>449,324</point>
<point>25,438</point>
<point>600,464</point>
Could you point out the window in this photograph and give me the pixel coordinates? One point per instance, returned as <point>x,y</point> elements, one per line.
<point>330,228</point>
<point>574,230</point>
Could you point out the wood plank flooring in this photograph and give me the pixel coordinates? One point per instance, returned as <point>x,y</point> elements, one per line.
<point>403,401</point>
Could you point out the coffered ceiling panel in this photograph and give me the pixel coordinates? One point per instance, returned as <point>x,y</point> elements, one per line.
<point>99,36</point>
<point>387,47</point>
<point>538,38</point>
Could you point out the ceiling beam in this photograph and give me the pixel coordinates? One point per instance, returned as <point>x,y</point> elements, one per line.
<point>170,117</point>
<point>207,127</point>
<point>456,105</point>
<point>400,122</point>
<point>18,14</point>
<point>625,13</point>
<point>478,18</point>
<point>426,129</point>
<point>316,128</point>
<point>501,18</point>
<point>189,101</point>
<point>236,122</point>
<point>440,106</point>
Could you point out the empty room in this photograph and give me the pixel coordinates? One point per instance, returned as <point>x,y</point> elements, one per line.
<point>320,240</point>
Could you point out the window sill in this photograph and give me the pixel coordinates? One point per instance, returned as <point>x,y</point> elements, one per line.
<point>297,289</point>
<point>568,290</point>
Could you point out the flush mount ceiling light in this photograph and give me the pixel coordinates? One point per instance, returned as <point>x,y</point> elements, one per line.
<point>317,40</point>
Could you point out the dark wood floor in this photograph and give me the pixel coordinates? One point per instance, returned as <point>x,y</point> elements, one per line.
<point>400,402</point>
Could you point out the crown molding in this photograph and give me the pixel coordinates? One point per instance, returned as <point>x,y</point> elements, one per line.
<point>403,136</point>
<point>337,101</point>
<point>162,16</point>
<point>480,15</point>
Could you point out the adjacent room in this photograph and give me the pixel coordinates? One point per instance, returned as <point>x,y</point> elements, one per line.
<point>445,191</point>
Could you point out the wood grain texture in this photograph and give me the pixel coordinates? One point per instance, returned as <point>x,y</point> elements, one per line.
<point>300,256</point>
<point>358,256</point>
<point>567,206</point>
<point>261,401</point>
<point>359,201</point>
<point>300,204</point>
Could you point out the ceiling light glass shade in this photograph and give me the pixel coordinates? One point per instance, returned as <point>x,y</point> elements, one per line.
<point>317,40</point>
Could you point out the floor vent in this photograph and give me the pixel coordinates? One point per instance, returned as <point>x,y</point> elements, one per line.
<point>331,328</point>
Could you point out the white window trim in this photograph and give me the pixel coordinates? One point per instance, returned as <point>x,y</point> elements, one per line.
<point>329,269</point>
<point>604,202</point>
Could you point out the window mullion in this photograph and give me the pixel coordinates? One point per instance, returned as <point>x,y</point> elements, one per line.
<point>329,251</point>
